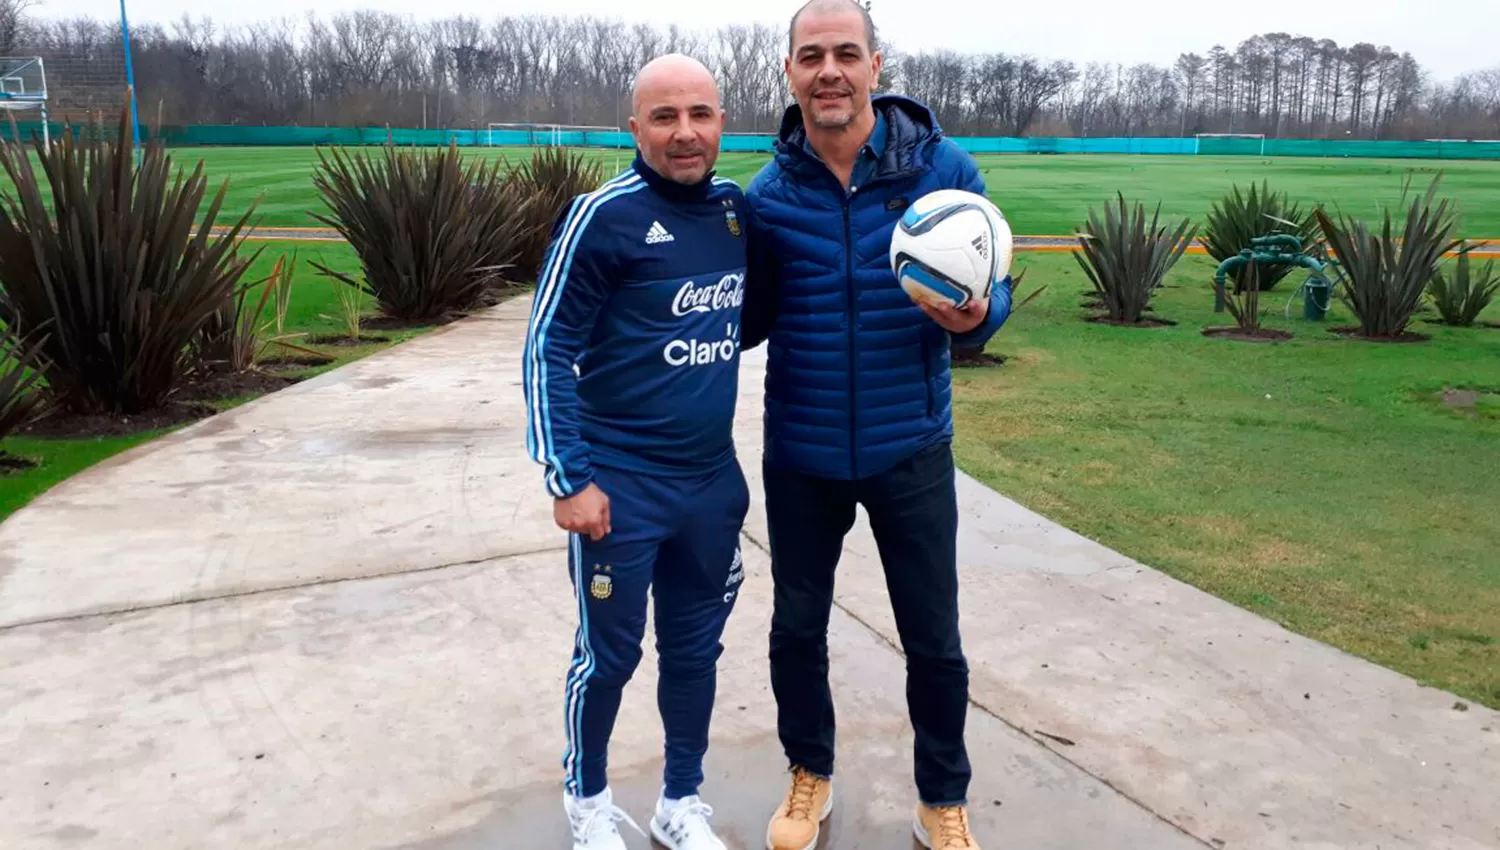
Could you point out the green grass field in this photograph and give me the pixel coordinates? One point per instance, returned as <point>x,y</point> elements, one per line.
<point>1321,482</point>
<point>1041,195</point>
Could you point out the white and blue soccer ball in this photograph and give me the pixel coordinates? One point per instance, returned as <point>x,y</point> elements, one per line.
<point>951,245</point>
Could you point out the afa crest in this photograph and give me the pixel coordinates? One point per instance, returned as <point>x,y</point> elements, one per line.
<point>602,586</point>
<point>730,219</point>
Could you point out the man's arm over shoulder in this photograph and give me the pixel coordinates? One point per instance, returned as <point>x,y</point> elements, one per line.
<point>571,287</point>
<point>967,176</point>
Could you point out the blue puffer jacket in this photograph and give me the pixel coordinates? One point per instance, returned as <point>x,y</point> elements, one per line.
<point>858,377</point>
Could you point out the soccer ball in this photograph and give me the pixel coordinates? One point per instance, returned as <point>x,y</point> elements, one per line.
<point>951,246</point>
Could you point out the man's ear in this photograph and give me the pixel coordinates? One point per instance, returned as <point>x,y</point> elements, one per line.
<point>877,60</point>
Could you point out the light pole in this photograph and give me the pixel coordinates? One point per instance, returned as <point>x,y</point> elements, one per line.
<point>135,121</point>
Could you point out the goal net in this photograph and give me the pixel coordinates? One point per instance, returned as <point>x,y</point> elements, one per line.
<point>44,88</point>
<point>556,135</point>
<point>1229,144</point>
<point>23,91</point>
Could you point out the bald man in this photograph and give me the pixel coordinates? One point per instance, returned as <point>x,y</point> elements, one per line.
<point>642,288</point>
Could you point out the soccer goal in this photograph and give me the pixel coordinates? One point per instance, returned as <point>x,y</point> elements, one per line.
<point>23,87</point>
<point>1229,143</point>
<point>552,135</point>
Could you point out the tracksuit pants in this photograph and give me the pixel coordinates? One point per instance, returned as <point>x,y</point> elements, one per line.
<point>679,539</point>
<point>913,513</point>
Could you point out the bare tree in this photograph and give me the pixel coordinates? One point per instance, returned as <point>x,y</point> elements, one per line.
<point>371,68</point>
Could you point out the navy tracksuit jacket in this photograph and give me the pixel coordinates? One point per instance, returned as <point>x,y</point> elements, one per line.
<point>642,289</point>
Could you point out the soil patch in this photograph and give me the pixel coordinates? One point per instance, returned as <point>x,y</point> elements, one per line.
<point>345,340</point>
<point>12,464</point>
<point>1353,332</point>
<point>1145,322</point>
<point>61,425</point>
<point>1481,402</point>
<point>387,323</point>
<point>1477,324</point>
<point>191,402</point>
<point>1461,399</point>
<point>1257,335</point>
<point>294,362</point>
<point>977,360</point>
<point>1099,305</point>
<point>233,385</point>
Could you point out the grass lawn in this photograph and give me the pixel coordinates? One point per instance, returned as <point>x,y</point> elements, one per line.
<point>1041,195</point>
<point>314,310</point>
<point>1321,482</point>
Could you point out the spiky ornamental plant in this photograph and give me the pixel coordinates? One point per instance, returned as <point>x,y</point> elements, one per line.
<point>1240,217</point>
<point>1461,299</point>
<point>551,178</point>
<point>122,268</point>
<point>20,399</point>
<point>433,233</point>
<point>1382,276</point>
<point>1126,258</point>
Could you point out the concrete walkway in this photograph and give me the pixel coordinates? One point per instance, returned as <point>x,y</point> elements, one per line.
<point>338,617</point>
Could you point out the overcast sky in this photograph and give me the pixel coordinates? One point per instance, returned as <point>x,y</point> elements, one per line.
<point>1448,37</point>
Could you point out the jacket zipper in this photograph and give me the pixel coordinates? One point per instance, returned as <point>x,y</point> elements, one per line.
<point>853,337</point>
<point>853,315</point>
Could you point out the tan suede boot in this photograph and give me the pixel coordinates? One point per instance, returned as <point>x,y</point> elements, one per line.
<point>943,828</point>
<point>797,820</point>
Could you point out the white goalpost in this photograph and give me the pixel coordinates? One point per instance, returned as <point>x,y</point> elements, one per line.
<point>23,86</point>
<point>547,135</point>
<point>1199,137</point>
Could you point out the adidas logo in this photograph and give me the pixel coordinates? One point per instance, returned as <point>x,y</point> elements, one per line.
<point>657,233</point>
<point>982,245</point>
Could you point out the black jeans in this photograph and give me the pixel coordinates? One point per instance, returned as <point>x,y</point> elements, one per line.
<point>913,512</point>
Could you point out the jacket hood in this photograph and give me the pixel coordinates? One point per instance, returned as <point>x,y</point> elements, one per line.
<point>911,130</point>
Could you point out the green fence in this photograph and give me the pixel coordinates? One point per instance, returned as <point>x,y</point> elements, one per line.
<point>235,135</point>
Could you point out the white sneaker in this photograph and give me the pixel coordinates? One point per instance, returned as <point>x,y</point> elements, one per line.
<point>684,825</point>
<point>593,821</point>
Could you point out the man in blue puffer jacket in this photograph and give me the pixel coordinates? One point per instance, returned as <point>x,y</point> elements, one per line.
<point>858,408</point>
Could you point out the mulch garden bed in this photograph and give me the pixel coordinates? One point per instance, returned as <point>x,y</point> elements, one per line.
<point>233,385</point>
<point>346,340</point>
<point>62,425</point>
<point>1353,332</point>
<point>192,401</point>
<point>1477,324</point>
<point>386,323</point>
<point>1238,333</point>
<point>1145,322</point>
<point>294,361</point>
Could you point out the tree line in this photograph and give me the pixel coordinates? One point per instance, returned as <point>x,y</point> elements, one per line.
<point>371,68</point>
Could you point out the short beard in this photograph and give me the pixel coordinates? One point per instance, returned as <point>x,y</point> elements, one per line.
<point>837,120</point>
<point>833,120</point>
